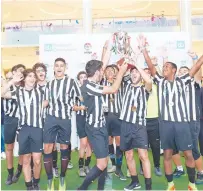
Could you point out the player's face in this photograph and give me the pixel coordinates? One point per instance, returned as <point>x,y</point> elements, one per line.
<point>100,74</point>
<point>19,70</point>
<point>109,73</point>
<point>82,78</point>
<point>41,74</point>
<point>59,69</point>
<point>30,79</point>
<point>135,76</point>
<point>168,70</point>
<point>182,71</point>
<point>115,72</point>
<point>148,72</point>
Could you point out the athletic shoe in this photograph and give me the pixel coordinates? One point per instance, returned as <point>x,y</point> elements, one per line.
<point>111,169</point>
<point>157,171</point>
<point>132,186</point>
<point>50,185</point>
<point>81,172</point>
<point>192,187</point>
<point>86,169</point>
<point>9,180</point>
<point>36,187</point>
<point>62,184</point>
<point>119,174</point>
<point>141,171</point>
<point>171,187</point>
<point>70,165</point>
<point>128,173</point>
<point>55,172</point>
<point>199,179</point>
<point>16,176</point>
<point>3,155</point>
<point>178,173</point>
<point>29,188</point>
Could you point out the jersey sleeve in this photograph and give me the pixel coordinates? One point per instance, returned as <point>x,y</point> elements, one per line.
<point>94,89</point>
<point>186,79</point>
<point>157,78</point>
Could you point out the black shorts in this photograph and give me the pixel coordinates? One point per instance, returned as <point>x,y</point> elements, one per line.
<point>175,135</point>
<point>113,125</point>
<point>30,140</point>
<point>10,127</point>
<point>80,123</point>
<point>133,136</point>
<point>98,138</point>
<point>57,129</point>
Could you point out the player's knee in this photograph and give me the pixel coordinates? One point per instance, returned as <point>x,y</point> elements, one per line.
<point>144,157</point>
<point>9,147</point>
<point>37,162</point>
<point>129,156</point>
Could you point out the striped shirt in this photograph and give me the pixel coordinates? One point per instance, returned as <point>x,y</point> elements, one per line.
<point>61,94</point>
<point>134,105</point>
<point>192,100</point>
<point>105,97</point>
<point>172,98</point>
<point>30,106</point>
<point>92,95</point>
<point>11,105</point>
<point>79,103</point>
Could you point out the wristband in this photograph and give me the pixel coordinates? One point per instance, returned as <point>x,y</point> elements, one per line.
<point>195,58</point>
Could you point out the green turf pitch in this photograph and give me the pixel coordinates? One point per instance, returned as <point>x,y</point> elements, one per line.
<point>73,180</point>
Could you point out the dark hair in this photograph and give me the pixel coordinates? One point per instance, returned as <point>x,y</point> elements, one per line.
<point>80,73</point>
<point>14,68</point>
<point>133,68</point>
<point>173,65</point>
<point>184,67</point>
<point>92,66</point>
<point>109,66</point>
<point>115,67</point>
<point>39,65</point>
<point>60,59</point>
<point>25,74</point>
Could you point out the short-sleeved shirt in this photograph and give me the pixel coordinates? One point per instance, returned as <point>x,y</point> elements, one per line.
<point>92,95</point>
<point>172,98</point>
<point>30,106</point>
<point>61,94</point>
<point>134,105</point>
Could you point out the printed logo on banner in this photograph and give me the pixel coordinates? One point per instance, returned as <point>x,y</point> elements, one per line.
<point>94,56</point>
<point>48,47</point>
<point>88,48</point>
<point>180,44</point>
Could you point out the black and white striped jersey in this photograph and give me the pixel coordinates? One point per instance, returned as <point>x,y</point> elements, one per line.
<point>192,100</point>
<point>79,103</point>
<point>92,95</point>
<point>11,105</point>
<point>30,106</point>
<point>172,98</point>
<point>134,104</point>
<point>61,94</point>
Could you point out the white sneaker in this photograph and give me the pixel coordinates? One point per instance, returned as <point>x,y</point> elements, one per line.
<point>112,169</point>
<point>70,165</point>
<point>3,155</point>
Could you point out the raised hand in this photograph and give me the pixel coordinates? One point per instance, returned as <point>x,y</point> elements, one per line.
<point>192,54</point>
<point>17,77</point>
<point>141,41</point>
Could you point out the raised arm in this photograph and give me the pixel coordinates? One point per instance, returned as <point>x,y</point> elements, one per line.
<point>146,78</point>
<point>198,75</point>
<point>196,67</point>
<point>117,82</point>
<point>106,54</point>
<point>5,89</point>
<point>142,45</point>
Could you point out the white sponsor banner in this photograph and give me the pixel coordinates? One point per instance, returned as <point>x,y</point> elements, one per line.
<point>77,49</point>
